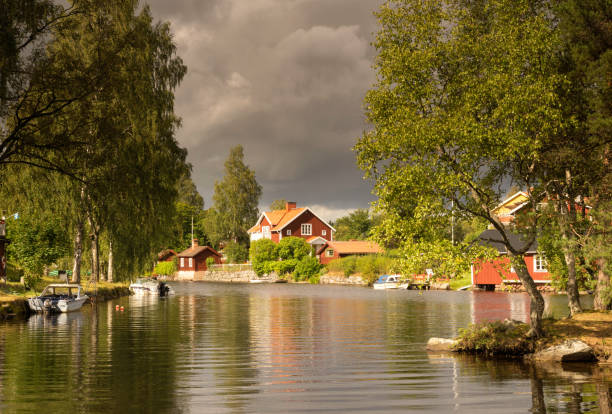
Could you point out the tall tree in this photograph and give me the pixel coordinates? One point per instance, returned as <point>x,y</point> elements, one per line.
<point>279,204</point>
<point>582,162</point>
<point>235,201</point>
<point>356,225</point>
<point>465,96</point>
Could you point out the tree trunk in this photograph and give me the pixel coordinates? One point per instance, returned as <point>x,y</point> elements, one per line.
<point>95,250</point>
<point>566,219</point>
<point>78,252</point>
<point>537,301</point>
<point>572,285</point>
<point>603,297</point>
<point>110,274</point>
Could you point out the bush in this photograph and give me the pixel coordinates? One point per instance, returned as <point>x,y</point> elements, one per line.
<point>306,268</point>
<point>165,268</point>
<point>210,261</point>
<point>349,265</point>
<point>293,248</point>
<point>236,253</point>
<point>13,273</point>
<point>261,252</point>
<point>495,338</point>
<point>285,266</point>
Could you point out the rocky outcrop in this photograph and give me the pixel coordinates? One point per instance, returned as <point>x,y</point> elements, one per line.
<point>569,351</point>
<point>440,344</point>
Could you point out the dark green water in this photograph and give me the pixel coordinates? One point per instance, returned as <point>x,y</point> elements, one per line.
<point>222,348</point>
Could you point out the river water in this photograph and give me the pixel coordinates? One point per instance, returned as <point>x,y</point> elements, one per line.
<point>222,348</point>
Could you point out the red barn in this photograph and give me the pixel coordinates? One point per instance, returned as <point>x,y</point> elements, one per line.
<point>193,260</point>
<point>488,274</point>
<point>336,249</point>
<point>292,221</point>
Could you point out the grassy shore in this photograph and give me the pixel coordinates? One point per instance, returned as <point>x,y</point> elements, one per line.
<point>508,340</point>
<point>13,296</point>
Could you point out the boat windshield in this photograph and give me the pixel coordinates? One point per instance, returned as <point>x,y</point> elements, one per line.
<point>60,291</point>
<point>382,279</point>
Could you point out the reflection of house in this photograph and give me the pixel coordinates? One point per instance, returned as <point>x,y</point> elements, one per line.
<point>193,260</point>
<point>496,272</point>
<point>292,221</point>
<point>338,249</point>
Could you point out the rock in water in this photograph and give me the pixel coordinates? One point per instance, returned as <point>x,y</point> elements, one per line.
<point>569,351</point>
<point>440,344</point>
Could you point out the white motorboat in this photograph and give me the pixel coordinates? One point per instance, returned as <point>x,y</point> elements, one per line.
<point>387,282</point>
<point>59,297</point>
<point>150,287</point>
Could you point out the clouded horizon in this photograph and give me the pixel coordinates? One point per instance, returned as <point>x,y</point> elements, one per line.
<point>286,80</point>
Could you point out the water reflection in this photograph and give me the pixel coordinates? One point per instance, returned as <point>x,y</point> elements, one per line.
<point>251,349</point>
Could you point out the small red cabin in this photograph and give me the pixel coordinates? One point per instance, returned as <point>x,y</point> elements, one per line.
<point>193,260</point>
<point>487,275</point>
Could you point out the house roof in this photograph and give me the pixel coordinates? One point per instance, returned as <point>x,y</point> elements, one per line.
<point>279,219</point>
<point>194,251</point>
<point>166,253</point>
<point>354,247</point>
<point>493,238</point>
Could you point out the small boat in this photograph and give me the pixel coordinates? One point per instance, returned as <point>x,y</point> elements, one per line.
<point>59,297</point>
<point>145,286</point>
<point>387,282</point>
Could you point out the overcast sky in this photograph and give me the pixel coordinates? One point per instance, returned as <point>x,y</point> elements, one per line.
<point>284,78</point>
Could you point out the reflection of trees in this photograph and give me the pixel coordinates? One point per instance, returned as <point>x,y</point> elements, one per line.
<point>234,368</point>
<point>68,362</point>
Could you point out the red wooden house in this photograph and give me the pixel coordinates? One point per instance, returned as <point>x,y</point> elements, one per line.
<point>337,249</point>
<point>292,221</point>
<point>488,274</point>
<point>192,262</point>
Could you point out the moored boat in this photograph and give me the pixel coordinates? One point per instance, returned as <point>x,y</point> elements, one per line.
<point>145,286</point>
<point>59,297</point>
<point>387,282</point>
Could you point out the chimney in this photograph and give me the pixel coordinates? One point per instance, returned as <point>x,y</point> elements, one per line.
<point>291,205</point>
<point>194,243</point>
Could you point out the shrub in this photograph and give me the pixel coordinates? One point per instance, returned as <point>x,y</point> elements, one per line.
<point>495,338</point>
<point>293,248</point>
<point>236,253</point>
<point>165,268</point>
<point>13,273</point>
<point>285,266</point>
<point>306,268</point>
<point>210,262</point>
<point>261,252</point>
<point>349,265</point>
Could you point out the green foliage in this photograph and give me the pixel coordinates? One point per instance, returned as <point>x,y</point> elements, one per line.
<point>236,252</point>
<point>283,267</point>
<point>261,253</point>
<point>293,248</point>
<point>280,204</point>
<point>210,262</point>
<point>36,244</point>
<point>495,338</point>
<point>235,202</point>
<point>370,267</point>
<point>307,268</point>
<point>356,225</point>
<point>13,273</point>
<point>165,268</point>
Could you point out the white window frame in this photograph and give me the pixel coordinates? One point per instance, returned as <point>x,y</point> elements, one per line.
<point>323,232</point>
<point>191,262</point>
<point>330,253</point>
<point>539,263</point>
<point>288,232</point>
<point>265,229</point>
<point>306,229</point>
<point>182,262</point>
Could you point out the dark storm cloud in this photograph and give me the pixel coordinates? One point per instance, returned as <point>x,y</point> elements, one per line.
<point>284,78</point>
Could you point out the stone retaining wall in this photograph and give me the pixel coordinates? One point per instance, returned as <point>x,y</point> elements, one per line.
<point>222,276</point>
<point>342,280</point>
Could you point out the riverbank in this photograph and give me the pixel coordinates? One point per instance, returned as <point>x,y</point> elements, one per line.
<point>508,339</point>
<point>14,297</point>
